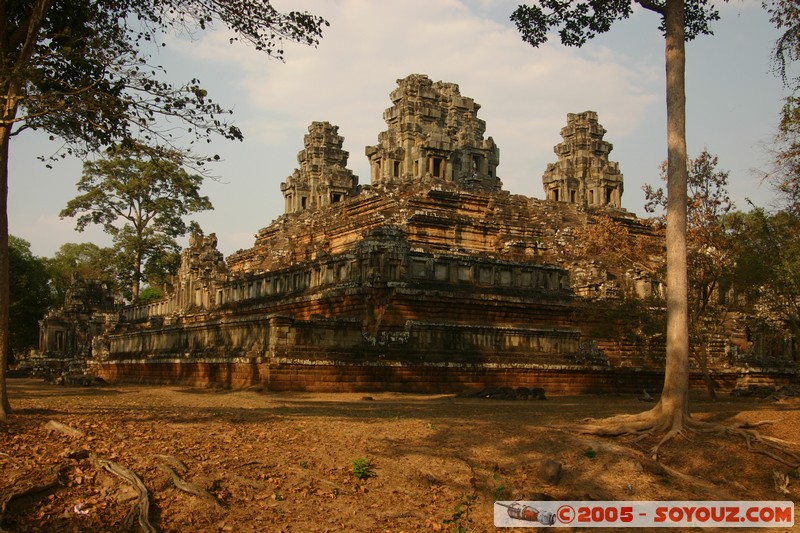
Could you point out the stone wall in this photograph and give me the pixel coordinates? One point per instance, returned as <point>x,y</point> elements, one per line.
<point>377,376</point>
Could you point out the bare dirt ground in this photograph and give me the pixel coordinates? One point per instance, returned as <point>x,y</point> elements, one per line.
<point>261,461</point>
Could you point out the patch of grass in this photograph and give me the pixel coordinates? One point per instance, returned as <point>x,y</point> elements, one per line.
<point>499,487</point>
<point>590,453</point>
<point>793,474</point>
<point>304,465</point>
<point>362,468</point>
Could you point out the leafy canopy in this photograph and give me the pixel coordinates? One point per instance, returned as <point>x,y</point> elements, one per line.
<point>82,261</point>
<point>711,246</point>
<point>577,22</point>
<point>82,74</point>
<point>29,295</point>
<point>141,201</point>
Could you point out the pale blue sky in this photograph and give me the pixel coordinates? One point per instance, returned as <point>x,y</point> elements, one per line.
<point>525,93</point>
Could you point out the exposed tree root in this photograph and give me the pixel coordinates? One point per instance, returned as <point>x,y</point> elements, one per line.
<point>711,491</point>
<point>189,488</point>
<point>141,512</point>
<point>142,509</point>
<point>657,421</point>
<point>69,431</point>
<point>779,450</point>
<point>175,463</point>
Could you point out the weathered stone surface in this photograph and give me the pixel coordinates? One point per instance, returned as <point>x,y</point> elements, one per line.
<point>583,175</point>
<point>434,134</point>
<point>89,308</point>
<point>202,270</point>
<point>431,279</point>
<point>323,177</point>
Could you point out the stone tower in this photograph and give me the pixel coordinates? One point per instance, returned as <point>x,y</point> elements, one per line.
<point>202,272</point>
<point>433,133</point>
<point>323,177</point>
<point>583,174</point>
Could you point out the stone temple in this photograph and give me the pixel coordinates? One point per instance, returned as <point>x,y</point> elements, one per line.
<point>430,278</point>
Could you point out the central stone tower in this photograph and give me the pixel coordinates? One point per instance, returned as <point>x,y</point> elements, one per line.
<point>433,134</point>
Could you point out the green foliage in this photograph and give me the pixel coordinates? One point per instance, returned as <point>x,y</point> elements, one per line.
<point>785,16</point>
<point>80,70</point>
<point>785,176</point>
<point>29,294</point>
<point>772,261</point>
<point>711,243</point>
<point>767,272</point>
<point>362,468</point>
<point>500,488</point>
<point>160,268</point>
<point>83,261</point>
<point>149,294</point>
<point>461,518</point>
<point>77,69</point>
<point>140,200</point>
<point>577,22</point>
<point>590,453</point>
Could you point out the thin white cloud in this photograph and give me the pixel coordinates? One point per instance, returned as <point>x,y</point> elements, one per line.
<point>525,93</point>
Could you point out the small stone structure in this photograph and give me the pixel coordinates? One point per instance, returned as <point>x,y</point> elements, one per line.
<point>432,278</point>
<point>583,175</point>
<point>88,310</point>
<point>323,177</point>
<point>77,331</point>
<point>202,271</point>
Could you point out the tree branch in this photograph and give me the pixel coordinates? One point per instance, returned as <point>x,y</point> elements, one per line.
<point>651,5</point>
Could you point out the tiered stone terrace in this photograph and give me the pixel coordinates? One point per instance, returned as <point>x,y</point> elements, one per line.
<point>432,278</point>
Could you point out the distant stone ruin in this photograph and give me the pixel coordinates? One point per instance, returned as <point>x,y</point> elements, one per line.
<point>583,174</point>
<point>431,278</point>
<point>323,177</point>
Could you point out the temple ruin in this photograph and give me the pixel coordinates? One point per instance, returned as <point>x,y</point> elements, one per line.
<point>430,278</point>
<point>583,174</point>
<point>323,177</point>
<point>433,132</point>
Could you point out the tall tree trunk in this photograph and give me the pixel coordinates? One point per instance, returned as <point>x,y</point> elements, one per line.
<point>137,276</point>
<point>675,395</point>
<point>5,137</point>
<point>12,91</point>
